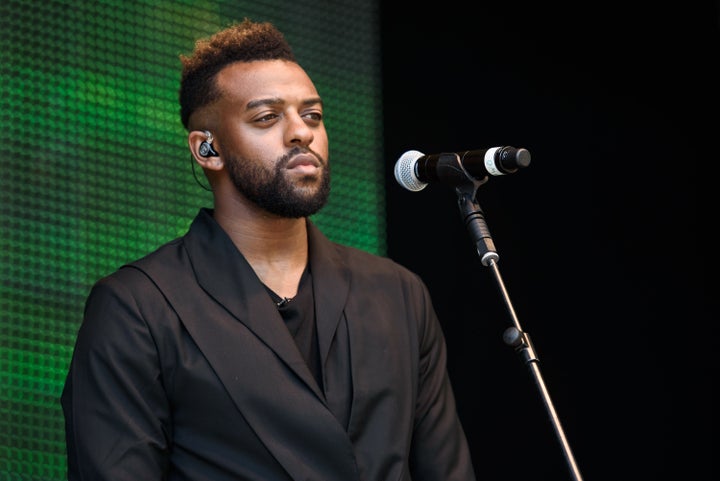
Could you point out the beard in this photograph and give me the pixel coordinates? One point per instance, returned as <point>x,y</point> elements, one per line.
<point>274,191</point>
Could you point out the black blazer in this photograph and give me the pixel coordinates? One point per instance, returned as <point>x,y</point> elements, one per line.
<point>184,370</point>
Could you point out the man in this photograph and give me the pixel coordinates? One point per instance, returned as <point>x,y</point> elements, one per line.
<point>253,348</point>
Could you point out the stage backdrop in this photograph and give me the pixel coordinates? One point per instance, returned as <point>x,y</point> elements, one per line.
<point>96,170</point>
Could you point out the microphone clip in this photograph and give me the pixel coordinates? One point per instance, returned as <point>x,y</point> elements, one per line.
<point>474,218</point>
<point>450,171</point>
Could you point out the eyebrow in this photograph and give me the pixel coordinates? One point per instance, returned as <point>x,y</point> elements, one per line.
<point>277,101</point>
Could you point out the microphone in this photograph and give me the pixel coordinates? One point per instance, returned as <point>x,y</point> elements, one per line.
<point>414,170</point>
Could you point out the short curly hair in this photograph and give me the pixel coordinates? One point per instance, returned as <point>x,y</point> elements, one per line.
<point>245,41</point>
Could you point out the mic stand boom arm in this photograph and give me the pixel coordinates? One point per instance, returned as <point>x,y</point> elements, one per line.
<point>514,336</point>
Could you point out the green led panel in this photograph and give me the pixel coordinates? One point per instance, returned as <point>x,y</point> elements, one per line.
<point>96,172</point>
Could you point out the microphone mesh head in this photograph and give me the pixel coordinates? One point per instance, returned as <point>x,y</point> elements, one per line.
<point>405,171</point>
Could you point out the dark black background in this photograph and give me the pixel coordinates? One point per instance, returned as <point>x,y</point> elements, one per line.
<point>605,240</point>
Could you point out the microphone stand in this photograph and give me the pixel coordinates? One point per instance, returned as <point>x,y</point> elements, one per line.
<point>513,336</point>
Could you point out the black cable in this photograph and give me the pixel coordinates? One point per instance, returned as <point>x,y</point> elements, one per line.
<point>192,166</point>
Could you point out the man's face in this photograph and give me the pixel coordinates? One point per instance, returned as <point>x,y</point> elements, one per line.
<point>272,136</point>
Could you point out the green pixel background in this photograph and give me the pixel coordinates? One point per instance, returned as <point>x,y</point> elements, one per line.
<point>96,171</point>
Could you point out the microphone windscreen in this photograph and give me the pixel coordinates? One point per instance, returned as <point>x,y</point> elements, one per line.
<point>405,171</point>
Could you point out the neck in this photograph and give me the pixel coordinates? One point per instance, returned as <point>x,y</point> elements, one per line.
<point>275,247</point>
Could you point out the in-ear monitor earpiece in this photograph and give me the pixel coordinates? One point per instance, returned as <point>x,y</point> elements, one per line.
<point>206,148</point>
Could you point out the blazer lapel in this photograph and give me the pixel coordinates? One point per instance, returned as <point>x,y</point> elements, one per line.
<point>331,285</point>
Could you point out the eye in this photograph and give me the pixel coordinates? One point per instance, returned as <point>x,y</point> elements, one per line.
<point>313,117</point>
<point>266,118</point>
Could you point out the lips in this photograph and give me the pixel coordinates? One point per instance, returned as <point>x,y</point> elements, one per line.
<point>301,160</point>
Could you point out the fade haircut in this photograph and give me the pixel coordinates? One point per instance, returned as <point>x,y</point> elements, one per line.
<point>245,41</point>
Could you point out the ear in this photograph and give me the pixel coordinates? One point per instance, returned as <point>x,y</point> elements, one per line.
<point>195,139</point>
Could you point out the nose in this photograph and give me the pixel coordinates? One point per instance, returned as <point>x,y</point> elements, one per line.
<point>298,132</point>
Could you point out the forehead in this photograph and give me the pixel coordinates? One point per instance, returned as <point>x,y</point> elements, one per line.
<point>246,81</point>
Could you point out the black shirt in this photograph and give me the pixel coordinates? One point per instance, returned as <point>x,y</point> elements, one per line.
<point>299,316</point>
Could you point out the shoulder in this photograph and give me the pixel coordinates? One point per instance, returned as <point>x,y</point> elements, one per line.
<point>132,280</point>
<point>364,260</point>
<point>377,272</point>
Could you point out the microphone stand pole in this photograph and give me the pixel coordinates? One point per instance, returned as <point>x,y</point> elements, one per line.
<point>513,336</point>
